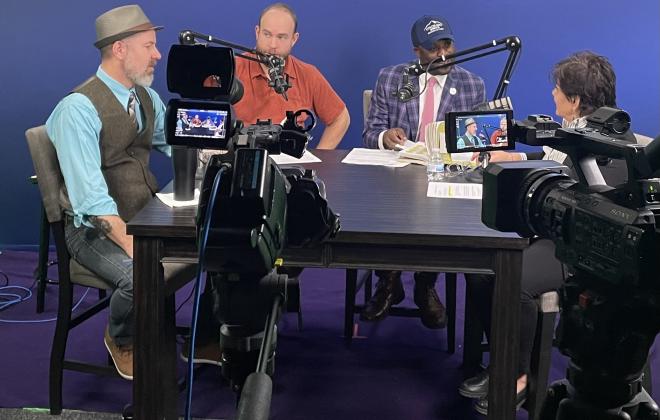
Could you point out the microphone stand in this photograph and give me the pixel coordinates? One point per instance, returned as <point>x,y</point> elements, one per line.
<point>510,43</point>
<point>274,63</point>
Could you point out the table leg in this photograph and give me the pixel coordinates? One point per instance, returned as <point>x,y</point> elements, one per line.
<point>505,334</point>
<point>154,382</point>
<point>349,303</point>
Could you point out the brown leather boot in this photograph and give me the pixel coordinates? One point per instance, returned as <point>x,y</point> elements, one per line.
<point>389,291</point>
<point>433,312</point>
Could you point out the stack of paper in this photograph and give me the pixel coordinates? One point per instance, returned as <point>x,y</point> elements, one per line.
<point>375,157</point>
<point>418,153</point>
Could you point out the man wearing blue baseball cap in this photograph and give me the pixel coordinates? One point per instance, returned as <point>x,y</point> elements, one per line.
<point>395,118</point>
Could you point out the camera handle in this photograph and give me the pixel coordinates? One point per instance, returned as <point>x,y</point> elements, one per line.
<point>607,335</point>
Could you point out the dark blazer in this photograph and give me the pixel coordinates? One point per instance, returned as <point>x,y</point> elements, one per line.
<point>462,92</point>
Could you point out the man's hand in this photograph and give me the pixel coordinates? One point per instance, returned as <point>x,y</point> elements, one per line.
<point>502,156</point>
<point>499,156</point>
<point>393,137</point>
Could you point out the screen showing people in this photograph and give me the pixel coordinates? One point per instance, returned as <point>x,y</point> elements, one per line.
<point>478,131</point>
<point>201,123</point>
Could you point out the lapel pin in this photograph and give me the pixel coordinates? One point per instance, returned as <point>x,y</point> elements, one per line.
<point>452,91</point>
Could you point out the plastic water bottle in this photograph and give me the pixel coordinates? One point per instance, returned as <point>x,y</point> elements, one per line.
<point>435,168</point>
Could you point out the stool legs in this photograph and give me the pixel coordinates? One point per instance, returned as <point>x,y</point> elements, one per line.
<point>353,284</point>
<point>537,380</point>
<point>42,265</point>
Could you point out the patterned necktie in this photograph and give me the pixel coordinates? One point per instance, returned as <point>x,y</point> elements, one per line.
<point>131,108</point>
<point>428,113</point>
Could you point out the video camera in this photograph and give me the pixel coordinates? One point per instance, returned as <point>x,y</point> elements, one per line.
<point>249,211</point>
<point>254,191</point>
<point>609,237</point>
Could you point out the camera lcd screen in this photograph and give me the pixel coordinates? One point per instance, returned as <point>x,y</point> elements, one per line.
<point>479,131</point>
<point>203,124</point>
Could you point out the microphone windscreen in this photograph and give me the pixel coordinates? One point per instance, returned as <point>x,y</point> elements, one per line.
<point>236,91</point>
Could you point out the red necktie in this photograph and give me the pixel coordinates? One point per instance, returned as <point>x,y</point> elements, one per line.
<point>428,113</point>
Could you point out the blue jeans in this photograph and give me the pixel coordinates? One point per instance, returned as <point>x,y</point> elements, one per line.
<point>99,254</point>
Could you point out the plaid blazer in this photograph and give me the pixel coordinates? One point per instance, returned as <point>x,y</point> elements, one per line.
<point>462,92</point>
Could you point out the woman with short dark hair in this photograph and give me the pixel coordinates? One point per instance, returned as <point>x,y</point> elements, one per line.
<point>587,81</point>
<point>584,82</point>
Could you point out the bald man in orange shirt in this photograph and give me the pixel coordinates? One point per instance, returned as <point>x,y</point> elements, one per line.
<point>276,34</point>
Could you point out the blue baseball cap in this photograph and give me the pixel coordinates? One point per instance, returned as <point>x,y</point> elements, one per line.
<point>429,29</point>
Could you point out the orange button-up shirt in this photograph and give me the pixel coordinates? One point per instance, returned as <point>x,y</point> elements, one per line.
<point>309,90</point>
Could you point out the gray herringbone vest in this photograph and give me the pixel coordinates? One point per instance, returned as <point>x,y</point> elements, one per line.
<point>124,151</point>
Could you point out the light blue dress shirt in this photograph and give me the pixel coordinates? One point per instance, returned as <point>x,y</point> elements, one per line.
<point>74,127</point>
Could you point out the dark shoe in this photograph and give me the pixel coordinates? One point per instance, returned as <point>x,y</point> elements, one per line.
<point>433,312</point>
<point>209,354</point>
<point>122,356</point>
<point>482,403</point>
<point>476,386</point>
<point>389,291</point>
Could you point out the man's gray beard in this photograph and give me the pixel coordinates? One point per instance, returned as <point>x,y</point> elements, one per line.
<point>144,80</point>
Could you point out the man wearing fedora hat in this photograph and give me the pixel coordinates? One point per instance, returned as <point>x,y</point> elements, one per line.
<point>391,121</point>
<point>103,132</point>
<point>470,138</point>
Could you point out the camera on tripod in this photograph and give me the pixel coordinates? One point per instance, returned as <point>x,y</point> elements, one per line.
<point>609,238</point>
<point>249,211</point>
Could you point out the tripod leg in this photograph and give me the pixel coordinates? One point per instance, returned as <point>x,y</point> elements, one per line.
<point>556,392</point>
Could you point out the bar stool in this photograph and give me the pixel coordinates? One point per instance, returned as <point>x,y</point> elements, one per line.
<point>41,272</point>
<point>365,282</point>
<point>537,382</point>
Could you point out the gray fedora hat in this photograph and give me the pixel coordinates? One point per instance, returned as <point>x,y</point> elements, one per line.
<point>120,23</point>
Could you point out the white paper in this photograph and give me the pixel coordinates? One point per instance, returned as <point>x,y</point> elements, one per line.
<point>454,190</point>
<point>284,159</point>
<point>168,198</point>
<point>415,151</point>
<point>405,145</point>
<point>376,157</point>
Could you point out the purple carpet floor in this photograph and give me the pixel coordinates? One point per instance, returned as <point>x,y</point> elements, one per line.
<point>395,369</point>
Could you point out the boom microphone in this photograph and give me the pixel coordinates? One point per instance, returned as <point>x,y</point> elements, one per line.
<point>276,73</point>
<point>417,69</point>
<point>407,90</point>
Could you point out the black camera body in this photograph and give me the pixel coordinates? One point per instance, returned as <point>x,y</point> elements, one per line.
<point>609,238</point>
<point>247,228</point>
<point>602,231</point>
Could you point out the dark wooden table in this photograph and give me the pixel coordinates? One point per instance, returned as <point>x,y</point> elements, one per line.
<point>387,223</point>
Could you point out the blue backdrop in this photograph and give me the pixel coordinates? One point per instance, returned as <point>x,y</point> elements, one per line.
<point>47,50</point>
